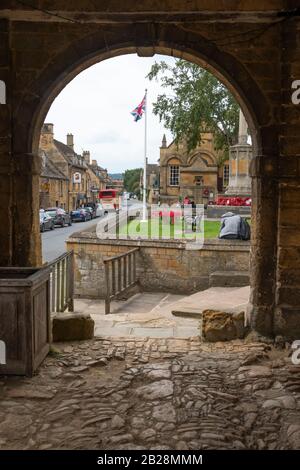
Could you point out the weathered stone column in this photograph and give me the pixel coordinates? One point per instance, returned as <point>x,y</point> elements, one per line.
<point>25,209</point>
<point>263,244</point>
<point>287,299</point>
<point>239,160</point>
<point>19,178</point>
<point>5,149</point>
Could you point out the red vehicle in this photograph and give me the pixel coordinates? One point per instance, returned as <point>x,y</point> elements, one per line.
<point>109,199</point>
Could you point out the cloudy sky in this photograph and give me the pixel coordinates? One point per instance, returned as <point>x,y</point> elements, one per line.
<point>96,107</point>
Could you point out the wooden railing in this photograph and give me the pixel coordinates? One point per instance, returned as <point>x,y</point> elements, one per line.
<point>62,283</point>
<point>120,274</point>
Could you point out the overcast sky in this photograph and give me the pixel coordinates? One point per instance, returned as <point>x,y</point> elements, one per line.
<point>96,107</point>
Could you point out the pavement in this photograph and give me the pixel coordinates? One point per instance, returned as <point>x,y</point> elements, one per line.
<point>161,315</point>
<point>228,299</point>
<point>147,314</point>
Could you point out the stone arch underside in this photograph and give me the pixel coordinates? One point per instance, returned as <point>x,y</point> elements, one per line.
<point>168,40</point>
<point>88,49</point>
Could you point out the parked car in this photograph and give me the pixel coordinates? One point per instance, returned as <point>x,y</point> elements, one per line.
<point>46,221</point>
<point>91,210</point>
<point>80,215</point>
<point>99,210</point>
<point>59,216</point>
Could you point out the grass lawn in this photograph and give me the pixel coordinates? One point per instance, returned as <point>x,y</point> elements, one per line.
<point>136,228</point>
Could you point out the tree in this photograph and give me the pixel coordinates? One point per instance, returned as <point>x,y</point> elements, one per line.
<point>199,103</point>
<point>132,180</point>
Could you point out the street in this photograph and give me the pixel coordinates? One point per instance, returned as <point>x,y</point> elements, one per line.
<point>53,241</point>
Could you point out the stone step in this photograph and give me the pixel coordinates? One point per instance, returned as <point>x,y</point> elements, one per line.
<point>228,299</point>
<point>229,279</point>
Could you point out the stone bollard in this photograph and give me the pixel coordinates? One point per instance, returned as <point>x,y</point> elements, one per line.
<point>72,327</point>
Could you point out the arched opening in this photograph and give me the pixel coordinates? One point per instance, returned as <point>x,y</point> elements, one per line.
<point>232,74</point>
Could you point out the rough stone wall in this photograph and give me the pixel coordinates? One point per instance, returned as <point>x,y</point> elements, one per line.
<point>161,266</point>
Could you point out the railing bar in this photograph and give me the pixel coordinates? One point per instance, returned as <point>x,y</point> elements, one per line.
<point>113,276</point>
<point>125,272</point>
<point>134,266</point>
<point>129,268</point>
<point>107,282</point>
<point>63,279</point>
<point>67,281</point>
<point>123,255</point>
<point>71,283</point>
<point>58,287</point>
<point>53,287</point>
<point>119,274</point>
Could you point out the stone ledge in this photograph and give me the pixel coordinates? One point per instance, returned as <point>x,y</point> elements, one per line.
<point>229,279</point>
<point>83,238</point>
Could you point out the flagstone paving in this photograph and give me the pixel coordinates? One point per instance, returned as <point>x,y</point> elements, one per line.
<point>145,314</point>
<point>144,393</point>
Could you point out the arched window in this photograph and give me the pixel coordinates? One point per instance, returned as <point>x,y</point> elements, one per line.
<point>2,92</point>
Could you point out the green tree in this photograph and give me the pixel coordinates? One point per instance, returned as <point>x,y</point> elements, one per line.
<point>132,180</point>
<point>199,102</point>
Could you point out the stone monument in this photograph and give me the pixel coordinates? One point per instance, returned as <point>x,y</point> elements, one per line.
<point>239,161</point>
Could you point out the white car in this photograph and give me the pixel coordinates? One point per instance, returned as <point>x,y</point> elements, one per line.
<point>99,210</point>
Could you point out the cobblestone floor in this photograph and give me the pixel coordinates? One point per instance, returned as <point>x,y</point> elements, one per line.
<point>154,394</point>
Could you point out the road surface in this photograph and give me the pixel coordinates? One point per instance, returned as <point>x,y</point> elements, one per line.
<point>53,241</point>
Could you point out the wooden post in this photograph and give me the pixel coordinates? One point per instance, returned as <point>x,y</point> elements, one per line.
<point>125,271</point>
<point>119,274</point>
<point>71,282</point>
<point>58,288</point>
<point>63,285</point>
<point>53,287</point>
<point>107,297</point>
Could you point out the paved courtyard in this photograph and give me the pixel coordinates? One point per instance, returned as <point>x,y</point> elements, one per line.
<point>149,314</point>
<point>157,393</point>
<point>143,315</point>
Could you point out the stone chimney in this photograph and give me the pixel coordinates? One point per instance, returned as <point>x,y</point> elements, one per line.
<point>70,141</point>
<point>47,135</point>
<point>164,142</point>
<point>87,156</point>
<point>94,163</point>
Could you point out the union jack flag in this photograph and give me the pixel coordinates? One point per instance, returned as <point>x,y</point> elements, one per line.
<point>139,110</point>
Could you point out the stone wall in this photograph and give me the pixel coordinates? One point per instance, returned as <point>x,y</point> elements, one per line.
<point>161,265</point>
<point>253,46</point>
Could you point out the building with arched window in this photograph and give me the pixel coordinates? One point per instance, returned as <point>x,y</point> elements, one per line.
<point>198,174</point>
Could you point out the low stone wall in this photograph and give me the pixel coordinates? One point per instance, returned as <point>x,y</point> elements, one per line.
<point>216,212</point>
<point>161,265</point>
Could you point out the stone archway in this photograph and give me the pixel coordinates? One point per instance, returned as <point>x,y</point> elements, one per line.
<point>87,49</point>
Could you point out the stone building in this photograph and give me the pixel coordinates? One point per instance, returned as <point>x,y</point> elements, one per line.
<point>95,179</point>
<point>53,184</point>
<point>252,46</point>
<point>197,174</point>
<point>72,165</point>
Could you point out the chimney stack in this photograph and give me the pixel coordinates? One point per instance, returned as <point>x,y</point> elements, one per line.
<point>70,141</point>
<point>94,163</point>
<point>47,135</point>
<point>87,156</point>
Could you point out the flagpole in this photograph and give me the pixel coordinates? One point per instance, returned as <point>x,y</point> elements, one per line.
<point>145,165</point>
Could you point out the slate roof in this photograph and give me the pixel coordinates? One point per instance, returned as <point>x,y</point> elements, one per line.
<point>69,154</point>
<point>50,170</point>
